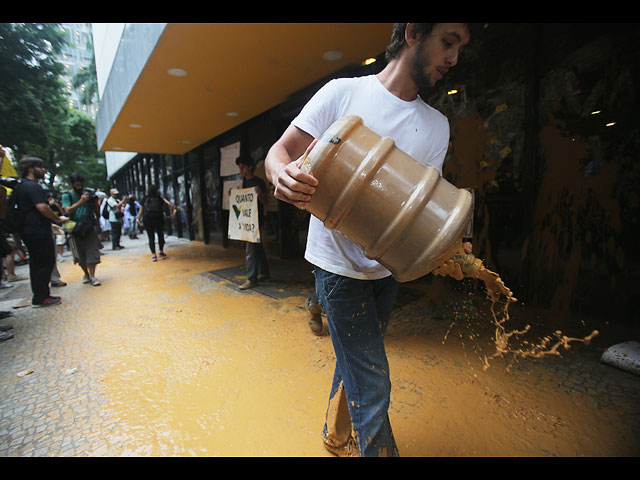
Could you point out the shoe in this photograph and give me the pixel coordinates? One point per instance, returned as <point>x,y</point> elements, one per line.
<point>59,259</point>
<point>4,284</point>
<point>163,255</point>
<point>263,278</point>
<point>16,278</point>
<point>5,314</point>
<point>95,282</point>
<point>349,449</point>
<point>86,279</point>
<point>5,336</point>
<point>315,316</point>
<point>47,302</point>
<point>154,259</point>
<point>59,284</point>
<point>247,284</point>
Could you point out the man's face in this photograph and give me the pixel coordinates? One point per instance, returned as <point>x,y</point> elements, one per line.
<point>245,170</point>
<point>39,171</point>
<point>78,186</point>
<point>436,53</point>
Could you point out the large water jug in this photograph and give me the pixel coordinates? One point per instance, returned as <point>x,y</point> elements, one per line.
<point>401,212</point>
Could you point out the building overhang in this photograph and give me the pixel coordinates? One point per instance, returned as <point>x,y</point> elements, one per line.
<point>202,79</point>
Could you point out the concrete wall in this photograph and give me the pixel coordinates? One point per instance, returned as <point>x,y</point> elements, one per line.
<point>121,52</point>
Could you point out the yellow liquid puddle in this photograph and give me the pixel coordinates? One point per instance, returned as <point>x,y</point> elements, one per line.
<point>463,264</point>
<point>184,366</point>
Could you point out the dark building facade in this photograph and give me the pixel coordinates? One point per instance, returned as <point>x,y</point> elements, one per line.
<point>543,130</point>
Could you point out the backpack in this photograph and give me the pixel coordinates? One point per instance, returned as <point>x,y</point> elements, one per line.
<point>84,224</point>
<point>153,208</point>
<point>132,208</point>
<point>14,221</point>
<point>105,210</point>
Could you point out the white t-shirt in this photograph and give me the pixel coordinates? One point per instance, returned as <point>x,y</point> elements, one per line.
<point>416,128</point>
<point>111,203</point>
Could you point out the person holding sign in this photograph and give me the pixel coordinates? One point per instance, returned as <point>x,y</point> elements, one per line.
<point>257,265</point>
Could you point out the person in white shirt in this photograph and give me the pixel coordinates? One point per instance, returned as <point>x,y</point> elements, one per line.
<point>115,217</point>
<point>356,293</point>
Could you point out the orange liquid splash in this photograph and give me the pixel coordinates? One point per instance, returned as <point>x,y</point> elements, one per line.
<point>463,264</point>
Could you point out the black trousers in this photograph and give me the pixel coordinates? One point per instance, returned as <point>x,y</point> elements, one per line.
<point>42,259</point>
<point>116,232</point>
<point>153,227</point>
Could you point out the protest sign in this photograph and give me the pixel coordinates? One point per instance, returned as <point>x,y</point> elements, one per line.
<point>243,215</point>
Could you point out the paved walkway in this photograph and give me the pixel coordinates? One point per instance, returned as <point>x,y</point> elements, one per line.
<point>171,359</point>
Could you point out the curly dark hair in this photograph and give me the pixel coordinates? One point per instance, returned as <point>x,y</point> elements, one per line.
<point>397,38</point>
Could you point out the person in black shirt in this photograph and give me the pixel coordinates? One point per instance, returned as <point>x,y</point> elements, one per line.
<point>257,265</point>
<point>36,231</point>
<point>152,214</point>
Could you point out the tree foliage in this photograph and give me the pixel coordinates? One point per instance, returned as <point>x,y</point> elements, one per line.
<point>35,118</point>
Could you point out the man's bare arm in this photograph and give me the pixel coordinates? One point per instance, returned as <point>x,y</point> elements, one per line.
<point>84,198</point>
<point>46,211</point>
<point>282,167</point>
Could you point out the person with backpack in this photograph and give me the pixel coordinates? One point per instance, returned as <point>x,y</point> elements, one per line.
<point>35,230</point>
<point>82,207</point>
<point>115,217</point>
<point>130,213</point>
<point>152,214</point>
<point>105,227</point>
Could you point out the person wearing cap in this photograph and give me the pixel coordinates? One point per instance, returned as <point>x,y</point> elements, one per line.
<point>115,217</point>
<point>82,208</point>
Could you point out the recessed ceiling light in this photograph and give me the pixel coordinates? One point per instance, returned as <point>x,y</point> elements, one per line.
<point>177,72</point>
<point>186,142</point>
<point>231,114</point>
<point>117,148</point>
<point>135,125</point>
<point>332,55</point>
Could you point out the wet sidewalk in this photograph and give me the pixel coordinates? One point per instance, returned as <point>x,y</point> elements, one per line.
<point>170,358</point>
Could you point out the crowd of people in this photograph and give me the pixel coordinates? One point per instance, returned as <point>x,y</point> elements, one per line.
<point>36,227</point>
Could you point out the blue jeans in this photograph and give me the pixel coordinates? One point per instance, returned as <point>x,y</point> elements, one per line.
<point>358,313</point>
